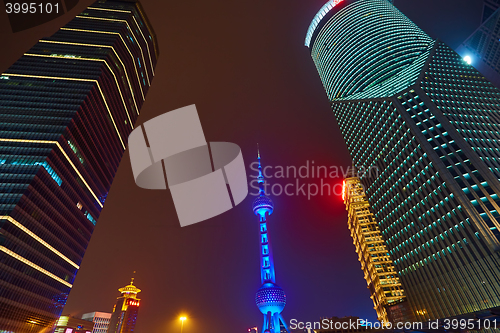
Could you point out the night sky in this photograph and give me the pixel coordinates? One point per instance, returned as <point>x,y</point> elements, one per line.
<point>244,65</point>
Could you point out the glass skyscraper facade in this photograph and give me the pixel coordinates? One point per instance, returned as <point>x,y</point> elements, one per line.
<point>67,107</point>
<point>412,108</point>
<point>483,46</point>
<point>489,7</point>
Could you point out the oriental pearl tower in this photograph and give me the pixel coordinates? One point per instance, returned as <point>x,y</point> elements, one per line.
<point>270,298</point>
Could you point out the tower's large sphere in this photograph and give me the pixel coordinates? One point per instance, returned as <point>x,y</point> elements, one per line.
<point>270,297</point>
<point>263,205</point>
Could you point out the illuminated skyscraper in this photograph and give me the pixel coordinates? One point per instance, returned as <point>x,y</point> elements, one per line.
<point>413,108</point>
<point>270,297</point>
<point>125,312</point>
<point>66,109</point>
<point>383,282</point>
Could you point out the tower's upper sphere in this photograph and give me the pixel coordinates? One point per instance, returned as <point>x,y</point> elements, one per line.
<point>270,298</point>
<point>262,205</point>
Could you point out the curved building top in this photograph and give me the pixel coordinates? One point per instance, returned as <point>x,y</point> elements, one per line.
<point>317,19</point>
<point>365,48</point>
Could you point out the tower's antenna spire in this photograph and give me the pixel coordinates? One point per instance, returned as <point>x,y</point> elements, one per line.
<point>270,298</point>
<point>260,178</point>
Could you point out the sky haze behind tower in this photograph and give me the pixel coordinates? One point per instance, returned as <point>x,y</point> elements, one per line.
<point>245,67</point>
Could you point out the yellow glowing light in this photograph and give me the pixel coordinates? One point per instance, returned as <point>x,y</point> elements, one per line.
<point>130,29</point>
<point>65,155</point>
<point>117,56</point>
<point>75,79</point>
<point>136,40</point>
<point>182,318</point>
<point>79,174</point>
<point>148,27</point>
<point>38,268</point>
<point>91,59</point>
<point>367,237</point>
<point>62,321</point>
<point>147,45</point>
<point>38,239</point>
<point>110,10</point>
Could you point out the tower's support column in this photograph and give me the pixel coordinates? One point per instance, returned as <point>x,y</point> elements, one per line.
<point>269,322</point>
<point>284,323</point>
<point>276,322</point>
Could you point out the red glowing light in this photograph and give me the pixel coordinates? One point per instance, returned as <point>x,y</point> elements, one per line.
<point>133,303</point>
<point>343,190</point>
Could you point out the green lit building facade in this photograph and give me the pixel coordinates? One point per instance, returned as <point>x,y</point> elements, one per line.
<point>410,106</point>
<point>67,107</point>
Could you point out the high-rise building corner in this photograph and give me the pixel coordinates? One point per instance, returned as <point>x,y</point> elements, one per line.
<point>412,108</point>
<point>67,107</point>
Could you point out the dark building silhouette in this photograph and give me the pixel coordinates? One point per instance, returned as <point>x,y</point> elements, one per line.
<point>489,7</point>
<point>125,312</point>
<point>66,109</point>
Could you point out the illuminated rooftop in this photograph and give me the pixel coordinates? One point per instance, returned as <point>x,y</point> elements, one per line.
<point>319,16</point>
<point>130,289</point>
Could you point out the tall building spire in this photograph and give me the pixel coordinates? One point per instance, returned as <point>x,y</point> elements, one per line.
<point>270,298</point>
<point>262,205</point>
<point>260,177</point>
<point>125,313</point>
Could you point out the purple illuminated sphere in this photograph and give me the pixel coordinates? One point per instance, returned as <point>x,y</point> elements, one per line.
<point>270,298</point>
<point>263,205</point>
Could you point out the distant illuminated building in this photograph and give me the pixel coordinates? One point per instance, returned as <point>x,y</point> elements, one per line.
<point>68,324</point>
<point>483,46</point>
<point>270,297</point>
<point>67,107</point>
<point>125,311</point>
<point>100,320</point>
<point>378,268</point>
<point>489,7</point>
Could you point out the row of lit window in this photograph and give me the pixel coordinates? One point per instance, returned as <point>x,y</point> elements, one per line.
<point>422,247</point>
<point>433,257</point>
